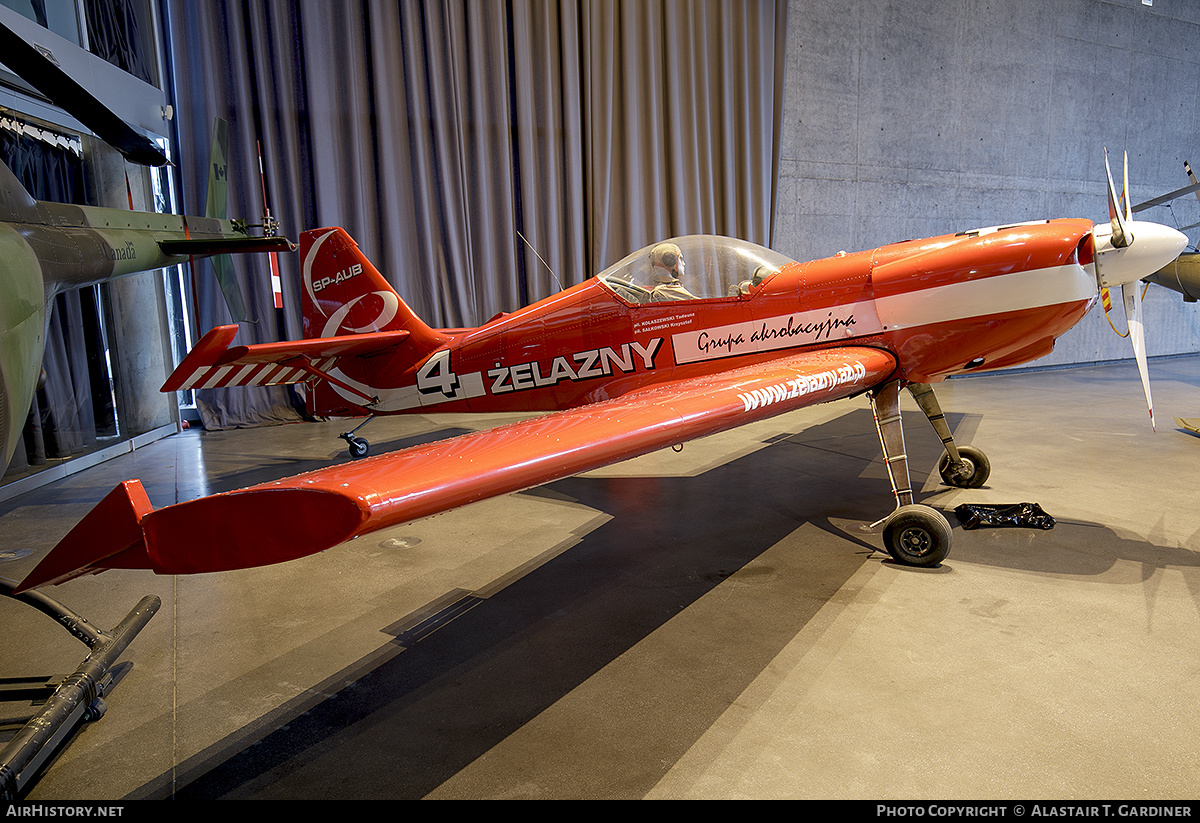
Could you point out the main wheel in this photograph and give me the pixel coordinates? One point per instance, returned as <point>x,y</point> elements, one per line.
<point>917,535</point>
<point>972,473</point>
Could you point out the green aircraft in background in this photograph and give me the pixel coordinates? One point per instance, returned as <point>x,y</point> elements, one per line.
<point>46,248</point>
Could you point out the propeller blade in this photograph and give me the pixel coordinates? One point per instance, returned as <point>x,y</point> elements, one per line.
<point>1132,294</point>
<point>1127,215</point>
<point>1116,216</point>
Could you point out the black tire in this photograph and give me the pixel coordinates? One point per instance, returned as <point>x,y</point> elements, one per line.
<point>972,475</point>
<point>916,535</point>
<point>359,447</point>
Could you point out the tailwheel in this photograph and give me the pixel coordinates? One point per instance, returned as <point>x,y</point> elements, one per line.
<point>917,535</point>
<point>970,473</point>
<point>358,446</point>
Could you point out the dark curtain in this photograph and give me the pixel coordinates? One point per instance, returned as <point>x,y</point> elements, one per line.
<point>121,32</point>
<point>439,133</point>
<point>74,404</point>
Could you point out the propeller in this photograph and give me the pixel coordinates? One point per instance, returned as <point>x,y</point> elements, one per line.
<point>1126,251</point>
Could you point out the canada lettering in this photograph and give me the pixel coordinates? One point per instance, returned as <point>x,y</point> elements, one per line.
<point>126,252</point>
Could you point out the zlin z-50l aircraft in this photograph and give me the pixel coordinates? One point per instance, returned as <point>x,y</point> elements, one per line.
<point>677,341</point>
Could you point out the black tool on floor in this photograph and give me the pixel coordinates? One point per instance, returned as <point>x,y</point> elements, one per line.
<point>62,703</point>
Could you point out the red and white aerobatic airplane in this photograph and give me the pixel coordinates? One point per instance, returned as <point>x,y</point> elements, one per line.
<point>677,341</point>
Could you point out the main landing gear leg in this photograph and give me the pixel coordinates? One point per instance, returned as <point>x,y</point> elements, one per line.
<point>963,466</point>
<point>359,447</point>
<point>913,534</point>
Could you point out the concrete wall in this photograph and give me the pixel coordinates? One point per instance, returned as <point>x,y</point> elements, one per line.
<point>911,119</point>
<point>137,316</point>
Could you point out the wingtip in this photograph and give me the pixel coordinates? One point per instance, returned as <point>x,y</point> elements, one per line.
<point>111,528</point>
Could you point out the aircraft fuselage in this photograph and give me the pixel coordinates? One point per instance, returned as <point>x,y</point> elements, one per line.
<point>943,306</point>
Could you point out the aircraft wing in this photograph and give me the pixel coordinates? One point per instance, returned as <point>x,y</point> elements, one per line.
<point>290,518</point>
<point>215,363</point>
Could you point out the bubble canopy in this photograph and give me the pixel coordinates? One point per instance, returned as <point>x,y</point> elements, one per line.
<point>695,267</point>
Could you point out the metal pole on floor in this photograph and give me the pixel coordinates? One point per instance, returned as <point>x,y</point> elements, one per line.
<point>79,695</point>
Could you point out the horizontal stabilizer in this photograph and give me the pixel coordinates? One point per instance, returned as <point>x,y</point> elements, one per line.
<point>109,537</point>
<point>198,247</point>
<point>216,363</point>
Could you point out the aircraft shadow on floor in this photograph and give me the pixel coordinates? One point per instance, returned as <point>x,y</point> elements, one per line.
<point>1073,547</point>
<point>630,595</point>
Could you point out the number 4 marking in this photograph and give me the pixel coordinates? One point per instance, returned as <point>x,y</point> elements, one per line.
<point>436,375</point>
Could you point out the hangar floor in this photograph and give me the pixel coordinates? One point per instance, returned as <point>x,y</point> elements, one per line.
<point>714,623</point>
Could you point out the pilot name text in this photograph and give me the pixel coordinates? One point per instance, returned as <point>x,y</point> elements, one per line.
<point>583,365</point>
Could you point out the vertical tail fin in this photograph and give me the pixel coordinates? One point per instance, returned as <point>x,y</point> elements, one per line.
<point>16,203</point>
<point>217,205</point>
<point>345,294</point>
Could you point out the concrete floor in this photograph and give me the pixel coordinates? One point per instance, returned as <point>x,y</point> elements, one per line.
<point>715,623</point>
